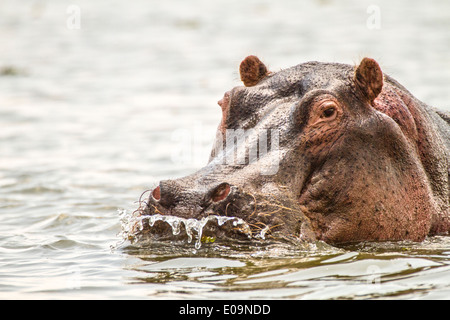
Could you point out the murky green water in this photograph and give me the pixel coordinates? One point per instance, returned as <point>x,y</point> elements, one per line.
<point>92,117</point>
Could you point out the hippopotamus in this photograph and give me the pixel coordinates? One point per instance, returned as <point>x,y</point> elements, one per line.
<point>318,152</point>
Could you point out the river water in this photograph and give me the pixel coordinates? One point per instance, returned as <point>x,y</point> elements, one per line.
<point>99,100</point>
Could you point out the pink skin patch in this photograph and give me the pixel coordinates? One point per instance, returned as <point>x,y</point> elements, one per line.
<point>224,103</point>
<point>221,193</point>
<point>392,105</point>
<point>156,193</point>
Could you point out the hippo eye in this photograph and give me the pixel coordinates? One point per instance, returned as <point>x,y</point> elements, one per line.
<point>325,112</point>
<point>323,109</point>
<point>329,113</point>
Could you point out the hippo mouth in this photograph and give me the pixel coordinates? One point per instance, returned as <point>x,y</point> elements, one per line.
<point>242,217</point>
<point>159,227</point>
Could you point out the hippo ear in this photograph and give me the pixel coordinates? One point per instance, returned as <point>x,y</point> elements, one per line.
<point>252,70</point>
<point>369,78</point>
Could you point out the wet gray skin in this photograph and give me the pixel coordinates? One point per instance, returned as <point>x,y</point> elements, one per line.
<point>351,156</point>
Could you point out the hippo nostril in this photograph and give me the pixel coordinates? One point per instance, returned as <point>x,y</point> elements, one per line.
<point>156,193</point>
<point>221,192</point>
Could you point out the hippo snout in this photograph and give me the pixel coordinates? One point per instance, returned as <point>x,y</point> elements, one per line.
<point>248,214</point>
<point>180,199</point>
<point>216,209</point>
<point>168,192</point>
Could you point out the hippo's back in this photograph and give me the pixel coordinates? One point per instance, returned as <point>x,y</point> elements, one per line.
<point>442,121</point>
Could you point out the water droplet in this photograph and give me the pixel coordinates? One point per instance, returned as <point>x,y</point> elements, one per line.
<point>262,234</point>
<point>193,227</point>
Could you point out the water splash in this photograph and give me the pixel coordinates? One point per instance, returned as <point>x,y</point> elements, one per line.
<point>133,223</point>
<point>262,233</point>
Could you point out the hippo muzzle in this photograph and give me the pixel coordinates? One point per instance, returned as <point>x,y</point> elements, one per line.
<point>319,151</point>
<point>227,210</point>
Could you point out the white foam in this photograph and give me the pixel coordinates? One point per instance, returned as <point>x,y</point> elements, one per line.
<point>192,227</point>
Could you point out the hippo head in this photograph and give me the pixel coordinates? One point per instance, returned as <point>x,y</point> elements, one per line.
<point>306,153</point>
